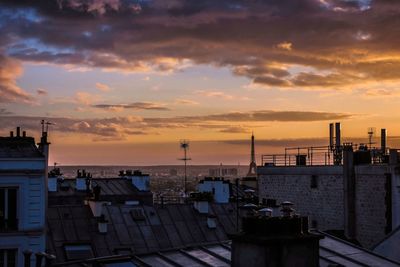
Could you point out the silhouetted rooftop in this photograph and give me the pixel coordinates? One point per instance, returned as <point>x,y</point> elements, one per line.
<point>19,147</point>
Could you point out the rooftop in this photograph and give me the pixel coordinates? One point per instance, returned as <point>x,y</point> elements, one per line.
<point>19,147</point>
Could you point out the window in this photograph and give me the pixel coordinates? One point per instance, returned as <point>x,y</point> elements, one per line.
<point>314,181</point>
<point>78,251</point>
<point>8,257</point>
<point>8,209</point>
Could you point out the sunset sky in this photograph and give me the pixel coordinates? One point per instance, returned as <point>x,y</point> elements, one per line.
<point>125,80</point>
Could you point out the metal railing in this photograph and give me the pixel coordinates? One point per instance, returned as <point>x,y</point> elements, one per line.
<point>301,156</point>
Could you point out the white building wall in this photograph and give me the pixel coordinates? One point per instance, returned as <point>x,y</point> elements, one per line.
<point>142,182</point>
<point>28,175</point>
<point>221,189</point>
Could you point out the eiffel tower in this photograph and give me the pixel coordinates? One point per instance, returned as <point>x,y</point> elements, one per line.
<point>253,166</point>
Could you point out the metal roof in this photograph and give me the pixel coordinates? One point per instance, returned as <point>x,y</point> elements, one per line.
<point>171,226</point>
<point>333,252</point>
<point>173,235</point>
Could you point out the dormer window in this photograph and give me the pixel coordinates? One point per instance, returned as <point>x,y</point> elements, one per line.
<point>8,209</point>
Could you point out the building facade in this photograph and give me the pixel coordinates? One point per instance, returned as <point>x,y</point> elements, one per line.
<point>23,188</point>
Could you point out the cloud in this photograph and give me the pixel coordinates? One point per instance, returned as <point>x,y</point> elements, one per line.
<point>134,106</point>
<point>285,46</point>
<point>119,128</point>
<point>4,111</point>
<point>86,98</point>
<point>235,130</point>
<point>185,101</point>
<point>10,70</point>
<point>316,45</point>
<point>268,115</point>
<point>103,87</point>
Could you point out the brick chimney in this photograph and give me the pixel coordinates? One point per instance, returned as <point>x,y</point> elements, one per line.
<point>275,241</point>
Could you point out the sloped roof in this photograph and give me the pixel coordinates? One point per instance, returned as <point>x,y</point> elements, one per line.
<point>171,226</point>
<point>109,187</point>
<point>333,252</point>
<point>389,246</point>
<point>19,147</point>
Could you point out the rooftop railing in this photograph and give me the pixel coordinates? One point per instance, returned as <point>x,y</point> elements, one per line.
<point>303,156</point>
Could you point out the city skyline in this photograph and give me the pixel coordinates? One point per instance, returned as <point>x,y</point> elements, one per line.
<point>124,81</point>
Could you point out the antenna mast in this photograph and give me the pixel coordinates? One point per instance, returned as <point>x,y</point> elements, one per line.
<point>184,144</point>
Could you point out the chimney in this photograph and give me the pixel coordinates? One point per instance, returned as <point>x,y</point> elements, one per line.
<point>27,257</point>
<point>39,258</point>
<point>102,224</point>
<point>331,136</point>
<point>201,201</point>
<point>11,134</point>
<point>338,135</point>
<point>18,131</point>
<point>95,204</point>
<point>24,134</point>
<point>349,186</point>
<point>383,141</point>
<point>81,180</point>
<point>52,183</point>
<point>275,241</point>
<point>212,221</point>
<point>265,212</point>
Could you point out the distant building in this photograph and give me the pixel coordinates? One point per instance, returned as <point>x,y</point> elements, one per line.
<point>223,172</point>
<point>23,188</point>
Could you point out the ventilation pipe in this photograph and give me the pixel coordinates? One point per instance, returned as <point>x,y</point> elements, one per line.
<point>383,140</point>
<point>331,136</point>
<point>338,134</point>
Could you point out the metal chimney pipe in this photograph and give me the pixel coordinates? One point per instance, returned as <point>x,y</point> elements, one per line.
<point>331,133</point>
<point>39,258</point>
<point>338,134</point>
<point>27,257</point>
<point>383,140</point>
<point>18,131</point>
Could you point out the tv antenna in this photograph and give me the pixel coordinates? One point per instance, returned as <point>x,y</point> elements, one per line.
<point>184,144</point>
<point>371,133</point>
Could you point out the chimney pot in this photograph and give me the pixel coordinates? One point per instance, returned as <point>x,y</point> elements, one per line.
<point>27,257</point>
<point>18,131</point>
<point>39,258</point>
<point>11,133</point>
<point>24,134</point>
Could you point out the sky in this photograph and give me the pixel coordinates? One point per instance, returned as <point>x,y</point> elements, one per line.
<point>123,81</point>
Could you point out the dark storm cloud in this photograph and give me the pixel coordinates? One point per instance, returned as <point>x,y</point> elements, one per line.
<point>335,43</point>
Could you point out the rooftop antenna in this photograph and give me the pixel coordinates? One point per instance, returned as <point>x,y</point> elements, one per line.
<point>184,144</point>
<point>371,133</point>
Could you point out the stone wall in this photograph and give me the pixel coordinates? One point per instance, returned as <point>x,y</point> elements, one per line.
<point>325,202</point>
<point>370,204</point>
